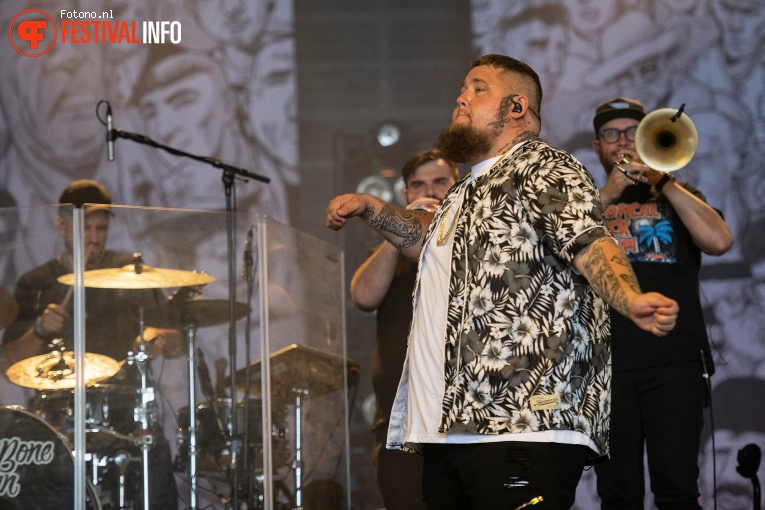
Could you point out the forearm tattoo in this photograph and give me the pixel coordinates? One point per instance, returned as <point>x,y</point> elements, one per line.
<point>399,222</point>
<point>601,274</point>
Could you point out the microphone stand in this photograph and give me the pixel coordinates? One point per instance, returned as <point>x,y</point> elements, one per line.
<point>230,173</point>
<point>232,170</point>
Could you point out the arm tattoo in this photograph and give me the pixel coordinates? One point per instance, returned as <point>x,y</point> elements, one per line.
<point>605,281</point>
<point>399,222</point>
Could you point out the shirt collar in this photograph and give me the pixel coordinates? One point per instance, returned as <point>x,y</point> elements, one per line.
<point>484,166</point>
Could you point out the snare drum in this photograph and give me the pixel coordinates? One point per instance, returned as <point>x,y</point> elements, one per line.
<point>37,466</point>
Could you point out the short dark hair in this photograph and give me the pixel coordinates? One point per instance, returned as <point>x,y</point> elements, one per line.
<point>516,66</point>
<point>422,157</point>
<point>85,191</point>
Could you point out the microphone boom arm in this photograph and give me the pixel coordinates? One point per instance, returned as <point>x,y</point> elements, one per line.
<point>145,140</point>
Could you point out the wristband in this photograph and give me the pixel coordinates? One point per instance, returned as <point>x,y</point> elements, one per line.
<point>39,333</point>
<point>664,180</point>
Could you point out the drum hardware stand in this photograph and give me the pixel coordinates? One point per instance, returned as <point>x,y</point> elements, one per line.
<point>146,410</point>
<point>297,465</point>
<point>122,460</point>
<point>190,330</point>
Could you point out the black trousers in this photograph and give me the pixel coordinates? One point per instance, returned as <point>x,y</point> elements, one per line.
<point>658,412</point>
<point>501,475</point>
<point>398,474</point>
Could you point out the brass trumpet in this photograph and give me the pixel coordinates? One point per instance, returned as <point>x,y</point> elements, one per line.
<point>625,159</point>
<point>666,140</point>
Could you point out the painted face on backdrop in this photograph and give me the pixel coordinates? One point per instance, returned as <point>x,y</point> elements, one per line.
<point>544,45</point>
<point>185,112</point>
<point>743,30</point>
<point>734,492</point>
<point>233,21</point>
<point>273,103</point>
<point>51,101</point>
<point>591,16</point>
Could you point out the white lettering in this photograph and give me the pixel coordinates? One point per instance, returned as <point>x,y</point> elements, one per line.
<point>9,485</point>
<point>155,32</point>
<point>175,37</point>
<point>78,14</point>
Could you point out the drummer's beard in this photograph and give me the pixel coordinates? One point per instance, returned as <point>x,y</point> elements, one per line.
<point>464,144</point>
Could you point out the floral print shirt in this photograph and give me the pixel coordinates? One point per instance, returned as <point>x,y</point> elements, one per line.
<point>527,340</point>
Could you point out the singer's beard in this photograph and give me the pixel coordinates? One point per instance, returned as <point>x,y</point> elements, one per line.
<point>464,144</point>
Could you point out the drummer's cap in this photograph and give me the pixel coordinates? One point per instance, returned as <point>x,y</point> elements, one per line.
<point>87,191</point>
<point>617,108</point>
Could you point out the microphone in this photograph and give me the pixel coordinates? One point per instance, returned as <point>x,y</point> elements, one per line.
<point>109,134</point>
<point>247,265</point>
<point>748,460</point>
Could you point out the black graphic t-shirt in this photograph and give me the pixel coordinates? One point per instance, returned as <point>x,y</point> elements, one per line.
<point>665,260</point>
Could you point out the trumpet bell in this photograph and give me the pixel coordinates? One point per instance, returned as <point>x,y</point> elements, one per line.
<point>665,144</point>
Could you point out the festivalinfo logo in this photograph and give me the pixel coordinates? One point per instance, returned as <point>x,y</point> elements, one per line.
<point>34,32</point>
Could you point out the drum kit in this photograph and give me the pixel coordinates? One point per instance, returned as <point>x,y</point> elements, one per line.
<point>120,416</point>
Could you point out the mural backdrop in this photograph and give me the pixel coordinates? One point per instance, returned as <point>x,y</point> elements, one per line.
<point>228,90</point>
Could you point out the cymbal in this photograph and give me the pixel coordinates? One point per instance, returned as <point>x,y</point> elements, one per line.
<point>50,372</point>
<point>8,308</point>
<point>126,277</point>
<point>200,312</point>
<point>302,369</point>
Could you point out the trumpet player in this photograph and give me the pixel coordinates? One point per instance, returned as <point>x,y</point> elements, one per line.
<point>660,385</point>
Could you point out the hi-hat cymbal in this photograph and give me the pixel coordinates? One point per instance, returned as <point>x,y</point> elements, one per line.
<point>200,312</point>
<point>52,372</point>
<point>8,308</point>
<point>128,277</point>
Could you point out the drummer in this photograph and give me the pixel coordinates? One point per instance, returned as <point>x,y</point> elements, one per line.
<point>45,311</point>
<point>45,304</point>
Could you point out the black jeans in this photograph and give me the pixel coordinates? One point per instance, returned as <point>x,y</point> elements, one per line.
<point>658,411</point>
<point>501,475</point>
<point>398,474</point>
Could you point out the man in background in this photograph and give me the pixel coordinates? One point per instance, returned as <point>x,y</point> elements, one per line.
<point>659,384</point>
<point>384,282</point>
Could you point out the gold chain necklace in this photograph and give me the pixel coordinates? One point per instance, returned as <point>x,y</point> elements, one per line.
<point>442,238</point>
